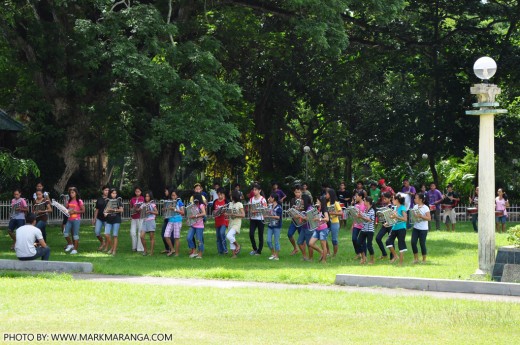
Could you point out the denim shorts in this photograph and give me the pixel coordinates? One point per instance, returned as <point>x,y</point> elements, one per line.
<point>501,219</point>
<point>321,234</point>
<point>72,225</point>
<point>148,226</point>
<point>98,226</point>
<point>15,224</point>
<point>112,227</point>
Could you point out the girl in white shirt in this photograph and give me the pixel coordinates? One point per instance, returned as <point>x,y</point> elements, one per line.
<point>420,228</point>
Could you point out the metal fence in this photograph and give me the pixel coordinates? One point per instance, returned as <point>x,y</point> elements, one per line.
<point>56,216</point>
<point>90,205</point>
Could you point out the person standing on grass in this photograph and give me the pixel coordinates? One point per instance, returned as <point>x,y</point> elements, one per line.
<point>221,223</point>
<point>256,220</point>
<point>76,209</point>
<point>305,235</point>
<point>374,191</point>
<point>434,197</point>
<point>330,195</point>
<point>165,222</point>
<point>297,203</point>
<point>367,233</point>
<point>136,222</point>
<point>197,229</point>
<point>113,223</point>
<point>398,230</point>
<point>281,194</point>
<point>148,222</point>
<point>502,204</point>
<point>274,227</point>
<point>30,244</point>
<point>18,210</point>
<point>420,229</point>
<point>409,195</point>
<point>386,202</point>
<point>473,201</point>
<point>357,225</point>
<point>305,190</point>
<point>322,231</point>
<point>99,219</point>
<point>42,215</point>
<point>451,199</point>
<point>173,229</point>
<point>235,221</point>
<point>344,197</point>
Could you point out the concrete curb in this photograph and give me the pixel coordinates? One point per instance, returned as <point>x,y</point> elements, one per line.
<point>46,266</point>
<point>425,284</point>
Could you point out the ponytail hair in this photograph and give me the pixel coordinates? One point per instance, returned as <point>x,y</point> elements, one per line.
<point>399,197</point>
<point>332,194</point>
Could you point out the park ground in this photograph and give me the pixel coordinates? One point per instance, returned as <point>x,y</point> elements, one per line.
<point>58,303</point>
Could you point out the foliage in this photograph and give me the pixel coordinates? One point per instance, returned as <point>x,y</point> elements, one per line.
<point>189,90</point>
<point>513,235</point>
<point>14,169</point>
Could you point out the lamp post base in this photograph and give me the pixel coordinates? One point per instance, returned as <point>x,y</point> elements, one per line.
<point>480,275</point>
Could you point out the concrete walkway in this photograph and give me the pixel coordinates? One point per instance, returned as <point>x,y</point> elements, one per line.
<point>229,284</point>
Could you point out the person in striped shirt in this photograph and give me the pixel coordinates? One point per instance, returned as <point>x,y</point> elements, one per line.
<point>367,233</point>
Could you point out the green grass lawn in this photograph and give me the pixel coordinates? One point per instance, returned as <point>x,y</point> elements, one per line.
<point>53,304</point>
<point>451,256</point>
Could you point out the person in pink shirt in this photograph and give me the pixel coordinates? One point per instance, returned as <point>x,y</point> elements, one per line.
<point>502,204</point>
<point>148,222</point>
<point>18,210</point>
<point>76,209</point>
<point>136,223</point>
<point>357,225</point>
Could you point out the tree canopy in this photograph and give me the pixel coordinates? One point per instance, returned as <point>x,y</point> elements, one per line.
<point>163,93</point>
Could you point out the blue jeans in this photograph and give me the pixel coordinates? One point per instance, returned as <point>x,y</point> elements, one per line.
<point>196,233</point>
<point>304,236</point>
<point>334,230</point>
<point>474,217</point>
<point>221,239</point>
<point>199,234</point>
<point>110,227</point>
<point>321,234</point>
<point>99,225</point>
<point>43,253</point>
<point>15,224</point>
<point>42,225</point>
<point>292,230</point>
<point>74,226</point>
<point>276,232</point>
<point>190,237</point>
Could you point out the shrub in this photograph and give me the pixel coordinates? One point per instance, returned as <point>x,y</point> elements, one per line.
<point>514,235</point>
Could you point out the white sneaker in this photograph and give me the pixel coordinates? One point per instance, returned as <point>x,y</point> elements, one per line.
<point>271,257</point>
<point>69,248</point>
<point>74,251</point>
<point>193,255</point>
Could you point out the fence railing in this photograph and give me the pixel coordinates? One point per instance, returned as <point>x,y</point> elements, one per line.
<point>90,205</point>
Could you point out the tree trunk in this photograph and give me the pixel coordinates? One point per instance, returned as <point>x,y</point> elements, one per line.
<point>157,172</point>
<point>71,147</point>
<point>435,175</point>
<point>262,119</point>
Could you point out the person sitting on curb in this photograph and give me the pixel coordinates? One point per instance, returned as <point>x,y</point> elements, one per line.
<point>30,244</point>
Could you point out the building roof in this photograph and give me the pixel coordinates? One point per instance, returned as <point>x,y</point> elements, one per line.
<point>9,124</point>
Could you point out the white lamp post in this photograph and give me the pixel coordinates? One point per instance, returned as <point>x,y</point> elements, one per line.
<point>484,69</point>
<point>306,150</point>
